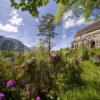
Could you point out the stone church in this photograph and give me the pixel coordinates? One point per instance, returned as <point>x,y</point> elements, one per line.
<point>89,36</point>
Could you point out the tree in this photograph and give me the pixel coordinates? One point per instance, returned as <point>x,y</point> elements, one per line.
<point>29,5</point>
<point>84,7</point>
<point>78,7</point>
<point>46,31</point>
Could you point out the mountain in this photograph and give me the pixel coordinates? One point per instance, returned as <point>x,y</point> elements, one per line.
<point>11,44</point>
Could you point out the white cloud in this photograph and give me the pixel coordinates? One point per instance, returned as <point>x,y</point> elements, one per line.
<point>80,21</point>
<point>8,27</point>
<point>13,23</point>
<point>67,15</point>
<point>15,19</point>
<point>36,19</point>
<point>73,22</point>
<point>64,36</point>
<point>68,24</point>
<point>69,20</point>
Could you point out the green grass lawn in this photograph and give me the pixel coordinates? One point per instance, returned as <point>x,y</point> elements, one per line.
<point>91,90</point>
<point>97,51</point>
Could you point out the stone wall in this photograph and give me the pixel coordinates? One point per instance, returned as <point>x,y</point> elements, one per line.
<point>91,40</point>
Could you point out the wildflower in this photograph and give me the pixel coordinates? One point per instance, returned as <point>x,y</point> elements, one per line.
<point>54,57</point>
<point>38,98</point>
<point>2,96</point>
<point>11,83</point>
<point>53,61</point>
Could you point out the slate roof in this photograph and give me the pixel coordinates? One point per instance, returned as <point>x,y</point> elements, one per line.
<point>88,29</point>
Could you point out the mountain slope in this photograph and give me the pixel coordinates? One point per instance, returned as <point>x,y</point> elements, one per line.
<point>11,44</point>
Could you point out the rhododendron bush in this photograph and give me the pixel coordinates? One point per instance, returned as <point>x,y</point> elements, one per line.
<point>39,75</point>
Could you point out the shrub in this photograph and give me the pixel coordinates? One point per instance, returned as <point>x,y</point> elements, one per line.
<point>6,54</point>
<point>38,98</point>
<point>77,61</point>
<point>85,54</point>
<point>11,83</point>
<point>2,96</point>
<point>38,74</point>
<point>97,59</point>
<point>72,75</point>
<point>55,57</point>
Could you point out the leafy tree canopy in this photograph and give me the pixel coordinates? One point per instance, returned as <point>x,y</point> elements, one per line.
<point>84,7</point>
<point>79,7</point>
<point>29,5</point>
<point>47,31</point>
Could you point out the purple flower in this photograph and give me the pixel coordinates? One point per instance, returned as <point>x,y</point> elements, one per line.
<point>54,58</point>
<point>53,55</point>
<point>11,83</point>
<point>2,96</point>
<point>38,98</point>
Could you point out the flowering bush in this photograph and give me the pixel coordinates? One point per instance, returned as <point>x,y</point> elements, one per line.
<point>2,96</point>
<point>37,75</point>
<point>11,83</point>
<point>38,98</point>
<point>55,58</point>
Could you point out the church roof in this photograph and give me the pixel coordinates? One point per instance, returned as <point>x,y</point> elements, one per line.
<point>88,29</point>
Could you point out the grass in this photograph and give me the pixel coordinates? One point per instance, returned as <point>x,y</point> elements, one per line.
<point>97,51</point>
<point>91,91</point>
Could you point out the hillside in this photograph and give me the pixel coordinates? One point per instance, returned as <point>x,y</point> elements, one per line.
<point>11,44</point>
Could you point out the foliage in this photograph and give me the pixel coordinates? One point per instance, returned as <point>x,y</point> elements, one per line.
<point>84,7</point>
<point>37,76</point>
<point>60,11</point>
<point>73,75</point>
<point>5,54</point>
<point>97,59</point>
<point>85,54</point>
<point>79,7</point>
<point>46,29</point>
<point>31,6</point>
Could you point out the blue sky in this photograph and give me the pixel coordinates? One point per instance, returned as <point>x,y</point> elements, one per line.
<point>22,26</point>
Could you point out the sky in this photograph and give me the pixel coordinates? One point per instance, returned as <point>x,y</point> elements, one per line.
<point>22,26</point>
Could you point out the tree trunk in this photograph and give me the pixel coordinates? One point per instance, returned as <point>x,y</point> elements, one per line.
<point>49,44</point>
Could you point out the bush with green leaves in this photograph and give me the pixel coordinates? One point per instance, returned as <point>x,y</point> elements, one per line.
<point>37,74</point>
<point>97,59</point>
<point>72,75</point>
<point>85,53</point>
<point>41,73</point>
<point>6,74</point>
